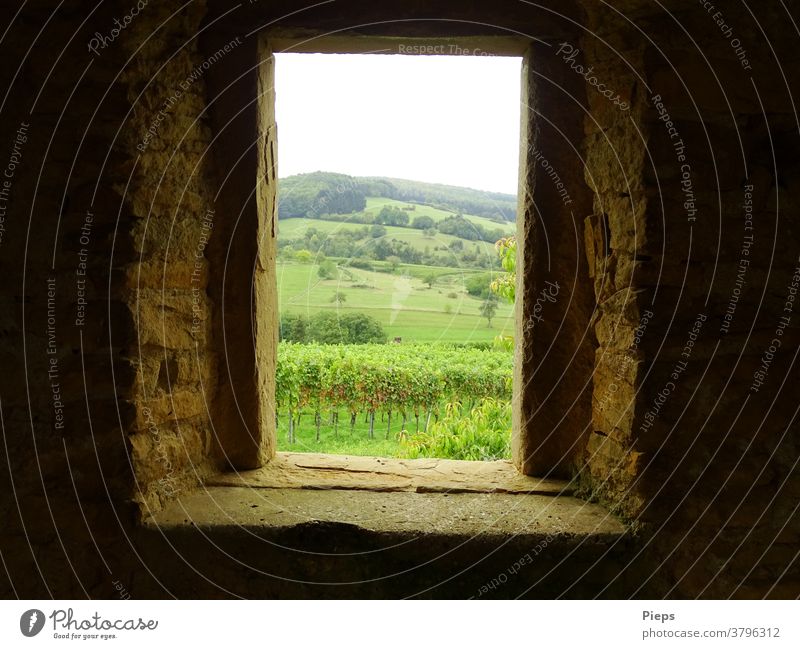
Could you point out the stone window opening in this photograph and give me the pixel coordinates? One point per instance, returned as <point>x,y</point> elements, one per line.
<point>550,421</point>
<point>363,513</point>
<point>401,115</point>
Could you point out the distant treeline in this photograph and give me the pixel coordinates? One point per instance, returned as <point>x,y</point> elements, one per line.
<point>331,328</point>
<point>315,194</point>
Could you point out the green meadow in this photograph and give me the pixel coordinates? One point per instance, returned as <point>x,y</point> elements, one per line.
<point>405,306</point>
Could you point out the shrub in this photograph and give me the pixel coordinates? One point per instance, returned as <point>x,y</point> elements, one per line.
<point>363,264</point>
<point>326,270</point>
<point>479,285</point>
<point>423,222</point>
<point>482,345</point>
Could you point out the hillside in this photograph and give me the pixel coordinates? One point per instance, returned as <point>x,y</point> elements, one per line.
<point>321,192</point>
<point>404,304</point>
<point>417,258</point>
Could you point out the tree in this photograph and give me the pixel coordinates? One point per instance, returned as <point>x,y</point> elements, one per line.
<point>350,328</point>
<point>293,328</point>
<point>303,256</point>
<point>318,193</point>
<point>339,199</point>
<point>362,329</point>
<point>423,222</point>
<point>382,249</point>
<point>323,327</point>
<point>377,231</point>
<point>326,270</point>
<point>458,226</point>
<point>479,285</point>
<point>339,297</point>
<point>430,279</point>
<point>489,307</point>
<point>392,215</point>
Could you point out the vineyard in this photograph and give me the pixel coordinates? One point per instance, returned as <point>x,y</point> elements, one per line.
<point>404,385</point>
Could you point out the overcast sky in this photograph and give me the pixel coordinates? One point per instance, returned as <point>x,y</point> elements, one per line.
<point>442,119</point>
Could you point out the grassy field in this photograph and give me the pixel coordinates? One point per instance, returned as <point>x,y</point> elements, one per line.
<point>341,440</point>
<point>402,303</point>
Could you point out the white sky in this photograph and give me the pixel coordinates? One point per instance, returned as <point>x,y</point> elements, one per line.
<point>441,119</point>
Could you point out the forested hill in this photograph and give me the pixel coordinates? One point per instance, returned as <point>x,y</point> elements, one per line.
<point>322,192</point>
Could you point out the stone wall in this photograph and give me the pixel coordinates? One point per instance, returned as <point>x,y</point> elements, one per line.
<point>129,198</point>
<point>694,263</point>
<point>108,372</point>
<point>554,301</point>
<point>172,214</point>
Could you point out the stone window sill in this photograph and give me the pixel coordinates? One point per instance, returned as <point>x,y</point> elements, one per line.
<point>401,498</point>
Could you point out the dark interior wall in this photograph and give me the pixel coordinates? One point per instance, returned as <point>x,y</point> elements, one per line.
<point>700,264</point>
<point>710,479</point>
<point>107,373</point>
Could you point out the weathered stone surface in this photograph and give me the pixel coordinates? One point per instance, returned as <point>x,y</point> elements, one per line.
<point>415,514</point>
<point>691,478</point>
<point>313,471</point>
<point>553,346</point>
<point>357,544</point>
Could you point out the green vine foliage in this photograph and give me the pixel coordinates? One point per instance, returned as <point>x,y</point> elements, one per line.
<point>505,285</point>
<point>481,434</point>
<point>368,378</point>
